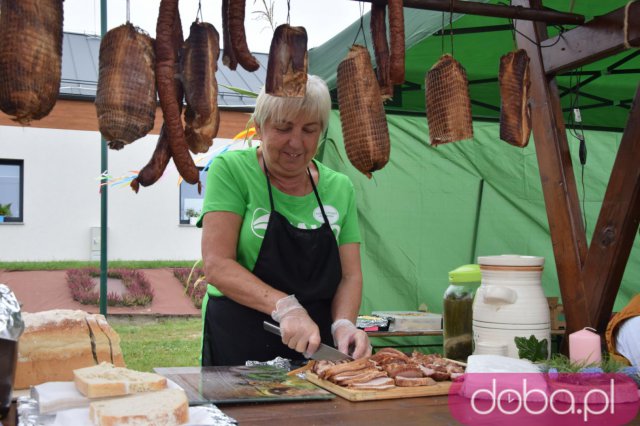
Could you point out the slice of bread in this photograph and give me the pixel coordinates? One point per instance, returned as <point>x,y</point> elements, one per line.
<point>105,379</point>
<point>168,407</point>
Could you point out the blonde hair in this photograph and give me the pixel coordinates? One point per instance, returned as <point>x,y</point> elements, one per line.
<point>316,104</point>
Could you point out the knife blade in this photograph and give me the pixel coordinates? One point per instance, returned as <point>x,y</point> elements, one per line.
<point>324,352</point>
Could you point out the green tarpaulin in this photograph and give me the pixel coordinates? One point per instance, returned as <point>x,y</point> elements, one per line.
<point>432,209</point>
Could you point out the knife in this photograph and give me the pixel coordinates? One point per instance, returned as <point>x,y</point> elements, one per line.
<point>324,352</point>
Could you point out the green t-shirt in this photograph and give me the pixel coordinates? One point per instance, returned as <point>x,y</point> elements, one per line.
<point>236,183</point>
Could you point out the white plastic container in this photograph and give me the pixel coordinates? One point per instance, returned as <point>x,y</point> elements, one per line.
<point>510,303</point>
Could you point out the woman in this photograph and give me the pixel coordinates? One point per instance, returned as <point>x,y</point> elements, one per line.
<point>281,242</point>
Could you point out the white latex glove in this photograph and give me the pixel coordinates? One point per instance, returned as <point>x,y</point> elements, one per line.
<point>349,339</point>
<point>299,332</point>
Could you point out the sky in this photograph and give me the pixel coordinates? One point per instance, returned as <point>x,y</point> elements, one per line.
<point>321,18</point>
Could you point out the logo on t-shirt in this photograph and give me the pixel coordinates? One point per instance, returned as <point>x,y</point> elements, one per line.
<point>331,212</point>
<point>259,222</point>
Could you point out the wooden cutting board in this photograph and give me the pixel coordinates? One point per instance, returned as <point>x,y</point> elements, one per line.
<point>440,388</point>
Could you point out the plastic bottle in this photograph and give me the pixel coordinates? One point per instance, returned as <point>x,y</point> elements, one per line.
<point>457,313</point>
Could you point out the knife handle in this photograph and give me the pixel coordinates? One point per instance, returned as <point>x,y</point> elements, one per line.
<point>271,328</point>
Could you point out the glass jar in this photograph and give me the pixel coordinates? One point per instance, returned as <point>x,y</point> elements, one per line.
<point>457,313</point>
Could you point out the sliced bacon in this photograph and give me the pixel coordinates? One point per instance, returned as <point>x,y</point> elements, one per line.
<point>379,383</point>
<point>365,376</point>
<point>414,381</point>
<point>405,370</point>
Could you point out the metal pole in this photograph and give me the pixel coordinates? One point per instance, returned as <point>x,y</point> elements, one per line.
<point>495,10</point>
<point>104,160</point>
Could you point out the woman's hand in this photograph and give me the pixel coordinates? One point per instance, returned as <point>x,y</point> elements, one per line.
<point>299,332</point>
<point>350,340</point>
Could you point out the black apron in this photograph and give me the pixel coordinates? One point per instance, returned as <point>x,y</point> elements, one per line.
<point>304,262</point>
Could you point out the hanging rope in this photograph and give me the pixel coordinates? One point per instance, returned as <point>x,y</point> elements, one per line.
<point>288,12</point>
<point>361,28</point>
<point>451,26</point>
<point>625,27</point>
<point>199,12</point>
<point>128,12</point>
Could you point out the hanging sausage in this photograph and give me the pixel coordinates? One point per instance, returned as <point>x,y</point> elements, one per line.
<point>287,67</point>
<point>30,57</point>
<point>396,41</point>
<point>364,124</point>
<point>237,36</point>
<point>126,95</point>
<point>448,103</point>
<point>199,63</point>
<point>381,49</point>
<point>515,113</point>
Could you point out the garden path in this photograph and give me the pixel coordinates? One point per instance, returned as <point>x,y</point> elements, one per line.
<point>43,290</point>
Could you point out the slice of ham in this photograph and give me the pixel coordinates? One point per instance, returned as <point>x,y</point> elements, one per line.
<point>366,376</point>
<point>405,370</point>
<point>358,364</point>
<point>379,383</point>
<point>414,381</point>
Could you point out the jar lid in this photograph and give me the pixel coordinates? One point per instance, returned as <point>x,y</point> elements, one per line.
<point>511,260</point>
<point>465,274</point>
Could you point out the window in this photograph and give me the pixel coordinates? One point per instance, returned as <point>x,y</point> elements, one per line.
<point>11,188</point>
<point>191,201</point>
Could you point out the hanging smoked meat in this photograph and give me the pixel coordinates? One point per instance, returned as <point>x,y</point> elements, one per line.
<point>30,57</point>
<point>237,36</point>
<point>396,41</point>
<point>447,101</point>
<point>126,96</point>
<point>166,72</point>
<point>199,65</point>
<point>364,124</point>
<point>287,68</point>
<point>228,57</point>
<point>515,114</point>
<point>379,36</point>
<point>156,166</point>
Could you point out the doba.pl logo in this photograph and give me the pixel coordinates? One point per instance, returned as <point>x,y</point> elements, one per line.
<point>565,399</point>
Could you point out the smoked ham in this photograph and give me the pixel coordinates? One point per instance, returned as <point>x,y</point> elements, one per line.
<point>364,124</point>
<point>448,103</point>
<point>287,67</point>
<point>126,95</point>
<point>515,114</point>
<point>30,57</point>
<point>199,66</point>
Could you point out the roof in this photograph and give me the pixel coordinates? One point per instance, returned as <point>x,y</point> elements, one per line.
<point>606,87</point>
<point>80,53</point>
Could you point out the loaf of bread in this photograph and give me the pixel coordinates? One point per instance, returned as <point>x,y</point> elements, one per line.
<point>168,407</point>
<point>105,379</point>
<point>56,342</point>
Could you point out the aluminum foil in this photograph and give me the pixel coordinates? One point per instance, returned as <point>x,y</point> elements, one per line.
<point>368,321</point>
<point>11,324</point>
<point>276,362</point>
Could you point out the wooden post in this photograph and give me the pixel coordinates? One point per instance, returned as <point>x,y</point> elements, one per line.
<point>556,173</point>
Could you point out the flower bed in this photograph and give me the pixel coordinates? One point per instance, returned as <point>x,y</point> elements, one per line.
<point>194,283</point>
<point>83,287</point>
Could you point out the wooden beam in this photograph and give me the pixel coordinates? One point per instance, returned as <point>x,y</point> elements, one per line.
<point>597,39</point>
<point>617,225</point>
<point>495,10</point>
<point>556,173</point>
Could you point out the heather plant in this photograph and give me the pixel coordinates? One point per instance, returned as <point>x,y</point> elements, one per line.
<point>82,285</point>
<point>193,281</point>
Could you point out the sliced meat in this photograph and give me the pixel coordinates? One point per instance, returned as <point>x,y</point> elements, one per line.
<point>287,67</point>
<point>515,112</point>
<point>358,364</point>
<point>362,377</point>
<point>414,381</point>
<point>404,370</point>
<point>379,383</point>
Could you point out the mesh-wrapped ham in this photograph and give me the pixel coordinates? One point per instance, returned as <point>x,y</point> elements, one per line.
<point>199,66</point>
<point>287,67</point>
<point>515,114</point>
<point>364,124</point>
<point>30,57</point>
<point>448,103</point>
<point>126,95</point>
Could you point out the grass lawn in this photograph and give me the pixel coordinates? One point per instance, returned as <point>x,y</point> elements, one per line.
<point>165,343</point>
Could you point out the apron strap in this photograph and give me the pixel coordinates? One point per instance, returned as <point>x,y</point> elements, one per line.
<point>313,185</point>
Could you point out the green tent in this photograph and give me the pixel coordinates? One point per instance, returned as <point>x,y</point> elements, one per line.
<point>432,209</point>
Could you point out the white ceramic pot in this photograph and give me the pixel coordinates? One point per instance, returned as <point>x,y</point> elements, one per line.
<point>510,302</point>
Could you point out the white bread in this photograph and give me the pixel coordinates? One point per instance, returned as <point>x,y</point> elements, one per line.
<point>107,380</point>
<point>168,407</point>
<point>56,342</point>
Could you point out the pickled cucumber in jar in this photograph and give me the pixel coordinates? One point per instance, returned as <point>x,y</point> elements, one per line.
<point>457,313</point>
